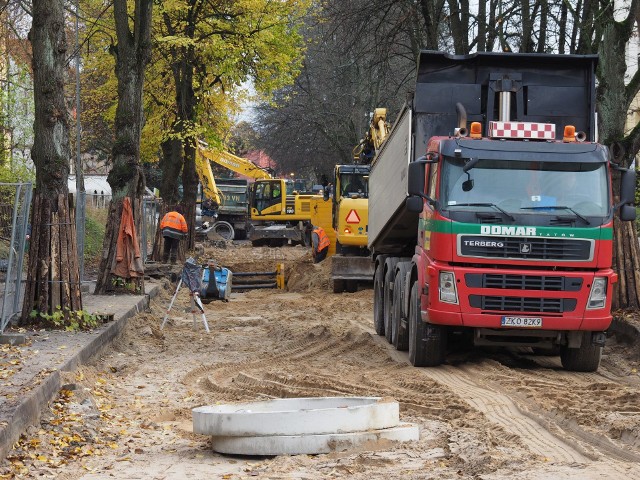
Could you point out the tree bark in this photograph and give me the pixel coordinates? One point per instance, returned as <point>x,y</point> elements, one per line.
<point>612,106</point>
<point>190,188</point>
<point>171,166</point>
<point>53,280</point>
<point>431,13</point>
<point>126,178</point>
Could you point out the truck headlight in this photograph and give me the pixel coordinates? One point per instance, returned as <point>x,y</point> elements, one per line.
<point>598,295</point>
<point>448,291</point>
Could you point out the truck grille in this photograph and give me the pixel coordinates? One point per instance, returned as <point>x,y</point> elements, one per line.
<point>523,282</point>
<point>523,304</point>
<point>525,248</point>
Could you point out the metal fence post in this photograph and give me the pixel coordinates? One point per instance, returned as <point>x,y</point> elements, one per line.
<point>20,195</point>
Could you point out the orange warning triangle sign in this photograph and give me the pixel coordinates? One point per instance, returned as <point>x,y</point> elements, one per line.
<point>353,217</point>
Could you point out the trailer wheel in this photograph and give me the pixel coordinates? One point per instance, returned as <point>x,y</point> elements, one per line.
<point>399,334</point>
<point>388,305</point>
<point>583,359</point>
<point>338,286</point>
<point>378,295</point>
<point>427,343</point>
<point>390,269</point>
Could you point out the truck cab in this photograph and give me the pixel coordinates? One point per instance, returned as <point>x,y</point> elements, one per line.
<point>492,209</point>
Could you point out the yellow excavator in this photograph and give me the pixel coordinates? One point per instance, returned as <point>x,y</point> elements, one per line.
<point>351,263</point>
<point>279,214</point>
<point>224,206</point>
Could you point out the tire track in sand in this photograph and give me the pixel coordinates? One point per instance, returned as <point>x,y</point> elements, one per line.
<point>500,409</point>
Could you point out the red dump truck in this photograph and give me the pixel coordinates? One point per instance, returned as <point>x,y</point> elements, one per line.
<point>491,210</point>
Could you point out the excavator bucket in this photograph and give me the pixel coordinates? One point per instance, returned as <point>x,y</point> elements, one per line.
<point>347,272</point>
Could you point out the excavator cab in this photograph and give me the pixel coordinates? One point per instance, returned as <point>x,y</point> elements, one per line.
<point>354,184</point>
<point>267,197</point>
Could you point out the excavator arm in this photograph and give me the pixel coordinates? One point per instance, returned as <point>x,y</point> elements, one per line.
<point>236,164</point>
<point>377,134</point>
<point>209,188</point>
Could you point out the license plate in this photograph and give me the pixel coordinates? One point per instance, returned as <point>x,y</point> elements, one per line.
<point>522,322</point>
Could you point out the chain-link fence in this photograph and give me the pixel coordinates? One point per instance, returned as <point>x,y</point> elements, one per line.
<point>15,202</point>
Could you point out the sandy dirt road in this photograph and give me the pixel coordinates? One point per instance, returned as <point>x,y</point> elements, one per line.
<point>486,414</point>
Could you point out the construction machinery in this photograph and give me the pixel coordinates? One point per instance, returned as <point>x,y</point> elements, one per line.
<point>225,202</point>
<point>279,214</point>
<point>351,263</point>
<point>500,231</point>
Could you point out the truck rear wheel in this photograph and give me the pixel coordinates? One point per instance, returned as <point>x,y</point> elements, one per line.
<point>390,267</point>
<point>427,343</point>
<point>388,305</point>
<point>583,359</point>
<point>399,334</point>
<point>378,312</point>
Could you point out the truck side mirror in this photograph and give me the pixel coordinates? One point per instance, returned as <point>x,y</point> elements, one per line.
<point>416,174</point>
<point>414,204</point>
<point>416,183</point>
<point>628,187</point>
<point>627,213</point>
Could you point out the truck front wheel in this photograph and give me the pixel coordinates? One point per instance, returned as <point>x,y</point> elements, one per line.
<point>583,359</point>
<point>427,343</point>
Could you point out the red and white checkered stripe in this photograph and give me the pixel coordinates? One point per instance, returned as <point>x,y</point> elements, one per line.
<point>537,131</point>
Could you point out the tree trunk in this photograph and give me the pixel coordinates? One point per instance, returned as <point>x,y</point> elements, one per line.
<point>186,102</point>
<point>482,26</point>
<point>612,106</point>
<point>170,165</point>
<point>431,13</point>
<point>126,177</point>
<point>562,35</point>
<point>53,280</point>
<point>158,241</point>
<point>190,189</point>
<point>544,19</point>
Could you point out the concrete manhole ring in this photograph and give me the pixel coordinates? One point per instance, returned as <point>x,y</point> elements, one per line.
<point>296,416</point>
<point>312,444</point>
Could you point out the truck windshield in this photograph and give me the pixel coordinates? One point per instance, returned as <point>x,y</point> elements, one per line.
<point>524,187</point>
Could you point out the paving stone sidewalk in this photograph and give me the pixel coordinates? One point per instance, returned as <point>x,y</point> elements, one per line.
<point>30,373</point>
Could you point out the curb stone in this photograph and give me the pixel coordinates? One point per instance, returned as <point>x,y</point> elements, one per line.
<point>28,412</point>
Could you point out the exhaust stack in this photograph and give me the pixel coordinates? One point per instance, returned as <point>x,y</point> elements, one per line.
<point>461,131</point>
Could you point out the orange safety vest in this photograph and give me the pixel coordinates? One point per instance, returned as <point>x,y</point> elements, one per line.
<point>323,240</point>
<point>173,224</point>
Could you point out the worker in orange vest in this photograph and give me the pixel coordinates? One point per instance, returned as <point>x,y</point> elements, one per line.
<point>174,228</point>
<point>320,243</point>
